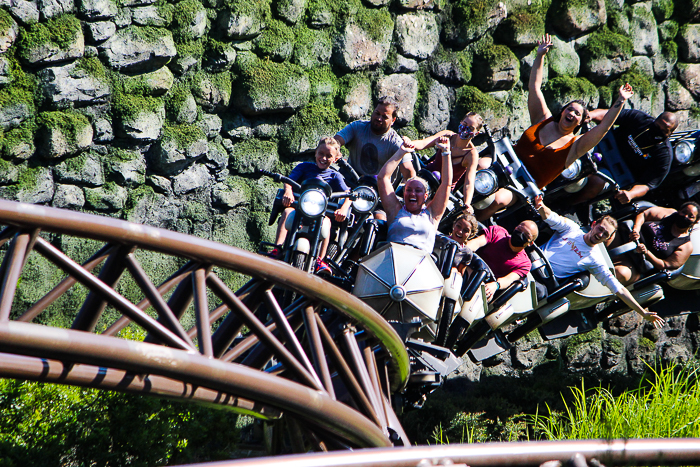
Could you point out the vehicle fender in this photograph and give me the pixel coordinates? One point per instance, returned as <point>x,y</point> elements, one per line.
<point>554,310</point>
<point>500,317</point>
<point>473,310</point>
<point>289,222</point>
<point>453,286</point>
<point>484,203</point>
<point>325,229</point>
<point>302,244</point>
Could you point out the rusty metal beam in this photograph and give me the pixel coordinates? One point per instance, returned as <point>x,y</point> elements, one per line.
<point>143,358</point>
<point>209,252</point>
<point>116,300</point>
<point>89,376</point>
<point>520,454</point>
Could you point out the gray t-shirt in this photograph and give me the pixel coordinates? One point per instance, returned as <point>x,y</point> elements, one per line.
<point>369,152</point>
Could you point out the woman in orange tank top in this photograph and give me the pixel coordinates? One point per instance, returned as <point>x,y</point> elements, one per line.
<point>551,144</point>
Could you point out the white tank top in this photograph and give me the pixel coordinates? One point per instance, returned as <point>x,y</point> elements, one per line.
<point>416,230</point>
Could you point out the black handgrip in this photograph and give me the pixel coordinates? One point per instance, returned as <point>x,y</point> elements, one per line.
<point>507,294</point>
<point>355,178</point>
<point>447,258</point>
<point>279,178</point>
<point>474,283</point>
<point>573,286</point>
<point>532,323</point>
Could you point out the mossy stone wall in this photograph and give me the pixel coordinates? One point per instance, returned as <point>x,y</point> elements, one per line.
<point>181,92</point>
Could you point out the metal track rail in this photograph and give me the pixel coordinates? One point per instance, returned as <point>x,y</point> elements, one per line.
<point>286,345</point>
<point>521,454</point>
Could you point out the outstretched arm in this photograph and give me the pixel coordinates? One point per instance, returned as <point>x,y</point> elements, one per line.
<point>438,204</point>
<point>390,201</point>
<point>430,141</point>
<point>629,300</point>
<point>592,137</point>
<point>542,209</point>
<point>471,162</point>
<point>535,99</point>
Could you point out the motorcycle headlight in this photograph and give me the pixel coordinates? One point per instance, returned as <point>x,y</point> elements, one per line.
<point>366,199</point>
<point>684,152</point>
<point>485,182</point>
<point>572,171</point>
<point>313,203</point>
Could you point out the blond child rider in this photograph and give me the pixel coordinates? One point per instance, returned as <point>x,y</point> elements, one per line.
<point>327,152</point>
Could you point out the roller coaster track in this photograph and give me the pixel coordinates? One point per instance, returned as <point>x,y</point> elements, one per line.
<point>318,365</point>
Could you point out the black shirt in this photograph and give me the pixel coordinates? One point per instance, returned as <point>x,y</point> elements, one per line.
<point>645,150</point>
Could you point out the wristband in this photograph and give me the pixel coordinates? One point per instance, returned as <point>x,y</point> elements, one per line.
<point>406,158</point>
<point>446,153</point>
<point>498,285</point>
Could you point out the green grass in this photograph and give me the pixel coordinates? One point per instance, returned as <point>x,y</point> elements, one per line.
<point>665,405</point>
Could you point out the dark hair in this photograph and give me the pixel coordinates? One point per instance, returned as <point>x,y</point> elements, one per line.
<point>389,101</point>
<point>584,116</point>
<point>471,220</point>
<point>693,204</point>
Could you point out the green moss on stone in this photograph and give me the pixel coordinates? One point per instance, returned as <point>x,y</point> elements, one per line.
<point>605,43</point>
<point>471,99</point>
<point>668,30</point>
<point>522,22</point>
<point>669,50</point>
<point>194,48</point>
<point>6,22</point>
<point>68,122</point>
<point>17,95</point>
<point>175,99</point>
<point>311,47</point>
<point>574,342</point>
<point>256,8</point>
<point>563,89</point>
<point>376,23</point>
<point>248,156</point>
<point>183,15</point>
<point>92,66</point>
<point>276,41</point>
<point>19,141</point>
<point>472,12</point>
<point>324,85</point>
<point>460,62</point>
<point>662,9</point>
<point>642,84</point>
<point>264,81</point>
<point>605,97</point>
<point>303,131</point>
<point>685,9</point>
<point>646,345</point>
<point>59,31</point>
<point>615,345</point>
<point>184,135</point>
<point>125,106</point>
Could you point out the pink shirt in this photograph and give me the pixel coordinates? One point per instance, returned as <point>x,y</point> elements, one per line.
<point>500,257</point>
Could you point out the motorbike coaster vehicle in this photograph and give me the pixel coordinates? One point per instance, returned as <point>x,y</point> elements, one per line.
<point>305,225</point>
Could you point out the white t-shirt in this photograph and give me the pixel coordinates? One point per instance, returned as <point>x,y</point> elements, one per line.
<point>568,253</point>
<point>369,152</point>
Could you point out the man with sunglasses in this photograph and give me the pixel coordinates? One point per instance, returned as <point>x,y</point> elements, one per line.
<point>571,251</point>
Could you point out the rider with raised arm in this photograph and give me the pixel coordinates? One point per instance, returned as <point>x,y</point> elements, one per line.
<point>465,157</point>
<point>551,144</point>
<point>327,152</point>
<point>571,251</point>
<point>415,221</point>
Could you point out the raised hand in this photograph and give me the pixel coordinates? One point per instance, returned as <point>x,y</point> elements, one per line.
<point>634,236</point>
<point>539,202</point>
<point>626,91</point>
<point>544,44</point>
<point>443,144</point>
